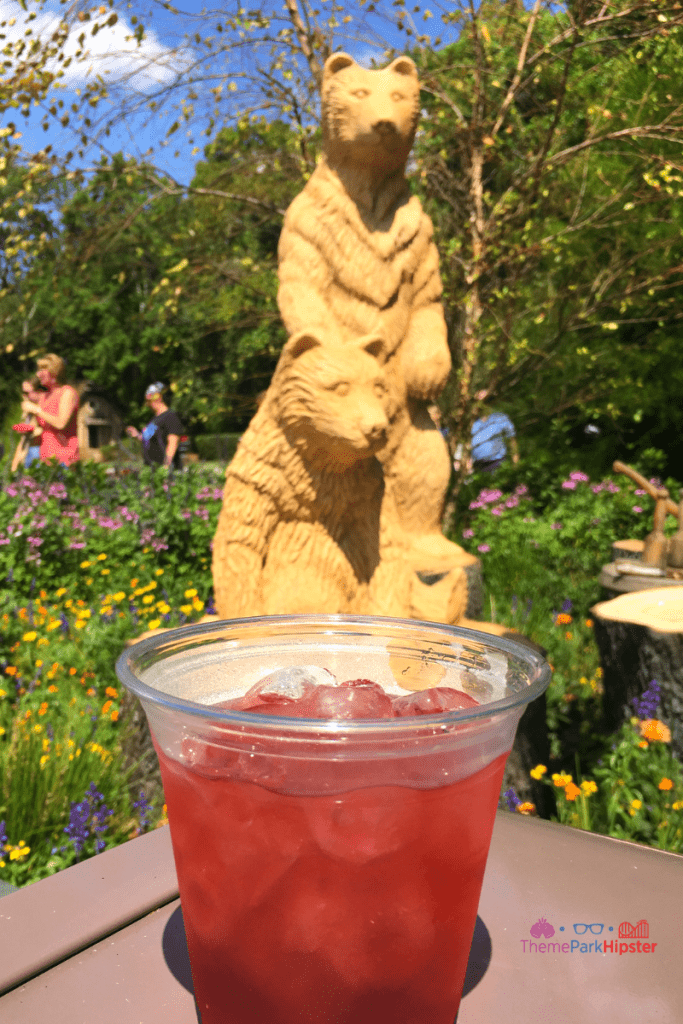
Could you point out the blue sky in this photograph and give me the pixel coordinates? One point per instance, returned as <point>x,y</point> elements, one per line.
<point>139,70</point>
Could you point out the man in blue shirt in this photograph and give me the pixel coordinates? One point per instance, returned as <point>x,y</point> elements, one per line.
<point>489,434</point>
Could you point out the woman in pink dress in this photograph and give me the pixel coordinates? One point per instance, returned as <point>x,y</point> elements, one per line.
<point>56,412</point>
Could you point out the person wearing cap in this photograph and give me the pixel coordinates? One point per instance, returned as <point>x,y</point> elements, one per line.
<point>56,411</point>
<point>161,437</point>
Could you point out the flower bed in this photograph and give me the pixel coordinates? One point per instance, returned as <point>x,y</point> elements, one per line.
<point>541,557</point>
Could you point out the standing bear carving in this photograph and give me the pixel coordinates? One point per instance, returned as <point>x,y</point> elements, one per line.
<point>299,526</point>
<point>357,260</point>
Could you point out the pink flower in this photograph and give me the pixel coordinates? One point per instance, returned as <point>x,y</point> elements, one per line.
<point>556,526</point>
<point>569,485</point>
<point>467,534</point>
<point>640,491</point>
<point>579,477</point>
<point>637,508</point>
<point>497,511</point>
<point>483,548</point>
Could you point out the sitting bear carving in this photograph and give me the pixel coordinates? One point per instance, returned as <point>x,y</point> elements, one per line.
<point>299,526</point>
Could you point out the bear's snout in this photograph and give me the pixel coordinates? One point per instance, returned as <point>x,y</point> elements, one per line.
<point>385,127</point>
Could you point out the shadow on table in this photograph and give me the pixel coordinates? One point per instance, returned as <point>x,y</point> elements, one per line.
<point>174,945</point>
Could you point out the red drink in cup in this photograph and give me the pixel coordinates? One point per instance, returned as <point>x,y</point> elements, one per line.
<point>330,868</point>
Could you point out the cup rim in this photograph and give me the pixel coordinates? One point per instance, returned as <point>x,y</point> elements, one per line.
<point>539,671</point>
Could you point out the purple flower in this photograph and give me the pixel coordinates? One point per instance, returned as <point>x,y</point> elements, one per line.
<point>3,834</point>
<point>144,806</point>
<point>647,705</point>
<point>77,830</point>
<point>511,799</point>
<point>567,605</point>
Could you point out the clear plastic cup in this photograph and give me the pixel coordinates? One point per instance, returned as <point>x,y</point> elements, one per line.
<point>330,871</point>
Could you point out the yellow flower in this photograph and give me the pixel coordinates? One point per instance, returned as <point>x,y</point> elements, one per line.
<point>665,784</point>
<point>538,771</point>
<point>107,610</point>
<point>86,565</point>
<point>588,786</point>
<point>158,572</point>
<point>678,805</point>
<point>43,760</point>
<point>572,791</point>
<point>80,623</point>
<point>526,808</point>
<point>39,662</point>
<point>17,852</point>
<point>197,604</point>
<point>635,806</point>
<point>119,595</point>
<point>652,729</point>
<point>43,642</point>
<point>29,636</point>
<point>104,572</point>
<point>186,609</point>
<point>190,593</point>
<point>88,581</point>
<point>561,779</point>
<point>101,558</point>
<point>147,599</point>
<point>3,693</point>
<point>153,623</point>
<point>163,607</point>
<point>61,592</point>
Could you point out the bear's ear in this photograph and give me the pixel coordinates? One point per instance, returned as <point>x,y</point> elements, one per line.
<point>374,346</point>
<point>300,343</point>
<point>403,66</point>
<point>337,62</point>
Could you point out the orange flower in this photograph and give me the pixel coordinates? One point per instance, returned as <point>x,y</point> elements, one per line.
<point>572,791</point>
<point>666,784</point>
<point>11,670</point>
<point>568,636</point>
<point>106,706</point>
<point>563,619</point>
<point>652,729</point>
<point>526,808</point>
<point>589,623</point>
<point>114,716</point>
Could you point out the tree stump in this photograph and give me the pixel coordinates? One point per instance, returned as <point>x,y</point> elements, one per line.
<point>640,638</point>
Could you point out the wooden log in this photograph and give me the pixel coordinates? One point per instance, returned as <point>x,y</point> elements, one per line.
<point>640,638</point>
